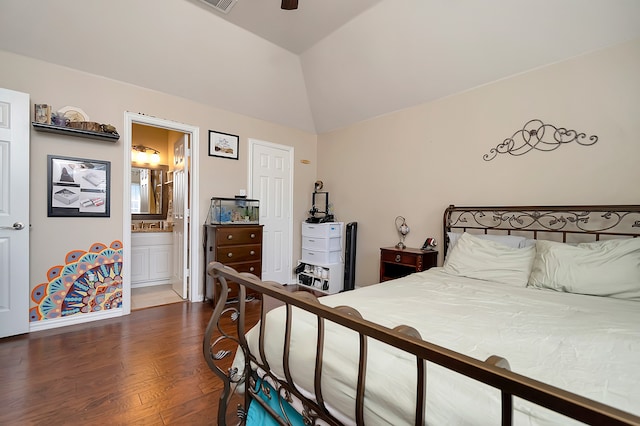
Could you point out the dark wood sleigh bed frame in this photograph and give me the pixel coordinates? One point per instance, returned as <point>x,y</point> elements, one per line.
<point>561,223</point>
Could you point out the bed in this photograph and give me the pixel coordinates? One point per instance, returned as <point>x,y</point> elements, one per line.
<point>533,319</point>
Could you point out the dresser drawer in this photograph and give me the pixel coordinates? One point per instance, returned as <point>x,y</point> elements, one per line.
<point>254,268</point>
<point>244,253</point>
<point>321,257</point>
<point>322,244</point>
<point>238,235</point>
<point>322,230</point>
<point>399,257</point>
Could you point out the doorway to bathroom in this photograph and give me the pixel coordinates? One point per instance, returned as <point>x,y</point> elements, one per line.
<point>160,250</point>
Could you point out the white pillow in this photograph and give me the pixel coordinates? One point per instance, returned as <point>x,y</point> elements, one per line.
<point>507,240</point>
<point>528,242</point>
<point>483,259</point>
<point>604,268</point>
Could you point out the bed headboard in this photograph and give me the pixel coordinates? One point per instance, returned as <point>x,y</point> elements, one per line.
<point>558,223</point>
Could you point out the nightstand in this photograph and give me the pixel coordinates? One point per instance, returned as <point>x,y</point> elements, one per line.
<point>397,263</point>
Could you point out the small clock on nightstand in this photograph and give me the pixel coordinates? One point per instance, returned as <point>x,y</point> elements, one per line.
<point>397,263</point>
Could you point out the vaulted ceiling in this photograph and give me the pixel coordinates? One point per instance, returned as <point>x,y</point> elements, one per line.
<point>326,65</point>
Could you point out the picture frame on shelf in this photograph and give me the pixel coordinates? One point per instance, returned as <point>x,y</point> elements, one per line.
<point>223,145</point>
<point>78,187</point>
<point>42,113</point>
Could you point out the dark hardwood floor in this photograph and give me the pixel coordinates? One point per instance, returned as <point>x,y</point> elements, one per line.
<point>146,368</point>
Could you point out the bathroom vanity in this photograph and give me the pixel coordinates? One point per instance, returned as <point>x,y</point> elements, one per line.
<point>151,258</point>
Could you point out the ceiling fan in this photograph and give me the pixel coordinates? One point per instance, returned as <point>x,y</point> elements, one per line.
<point>289,4</point>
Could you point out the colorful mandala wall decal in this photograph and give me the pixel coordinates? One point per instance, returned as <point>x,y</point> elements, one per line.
<point>90,281</point>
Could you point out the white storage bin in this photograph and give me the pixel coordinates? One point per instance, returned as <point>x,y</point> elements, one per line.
<point>322,230</point>
<point>316,256</point>
<point>322,244</point>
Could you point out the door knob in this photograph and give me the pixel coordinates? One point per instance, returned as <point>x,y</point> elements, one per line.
<point>16,226</point>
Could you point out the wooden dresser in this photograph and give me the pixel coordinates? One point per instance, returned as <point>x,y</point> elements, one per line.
<point>238,246</point>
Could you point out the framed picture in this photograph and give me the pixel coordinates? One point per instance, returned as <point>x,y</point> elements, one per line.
<point>77,187</point>
<point>223,145</point>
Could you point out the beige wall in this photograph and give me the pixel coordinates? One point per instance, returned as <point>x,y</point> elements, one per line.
<point>411,163</point>
<point>105,101</point>
<point>417,161</point>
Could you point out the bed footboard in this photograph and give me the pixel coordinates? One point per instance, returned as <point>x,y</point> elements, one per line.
<point>226,331</point>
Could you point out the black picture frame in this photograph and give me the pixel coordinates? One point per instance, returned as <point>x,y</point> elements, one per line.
<point>223,145</point>
<point>78,187</point>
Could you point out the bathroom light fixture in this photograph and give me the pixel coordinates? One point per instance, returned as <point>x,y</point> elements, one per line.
<point>139,154</point>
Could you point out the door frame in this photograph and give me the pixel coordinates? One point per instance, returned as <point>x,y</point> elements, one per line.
<point>289,149</point>
<point>131,118</point>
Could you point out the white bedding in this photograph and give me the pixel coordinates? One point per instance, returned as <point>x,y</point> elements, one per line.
<point>585,344</point>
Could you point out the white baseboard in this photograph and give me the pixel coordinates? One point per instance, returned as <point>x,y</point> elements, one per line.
<point>151,283</point>
<point>74,319</point>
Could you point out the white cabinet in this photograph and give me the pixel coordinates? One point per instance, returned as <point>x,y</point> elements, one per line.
<point>322,264</point>
<point>327,278</point>
<point>151,258</point>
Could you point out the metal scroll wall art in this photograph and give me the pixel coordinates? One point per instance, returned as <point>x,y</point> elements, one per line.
<point>537,135</point>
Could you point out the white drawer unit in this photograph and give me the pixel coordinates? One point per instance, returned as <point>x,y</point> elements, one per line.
<point>322,242</point>
<point>322,260</point>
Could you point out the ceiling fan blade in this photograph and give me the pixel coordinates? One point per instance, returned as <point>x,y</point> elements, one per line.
<point>289,4</point>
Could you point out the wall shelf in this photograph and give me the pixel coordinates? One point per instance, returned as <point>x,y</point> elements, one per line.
<point>111,137</point>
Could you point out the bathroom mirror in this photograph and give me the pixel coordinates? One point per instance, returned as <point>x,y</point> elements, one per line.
<point>149,192</point>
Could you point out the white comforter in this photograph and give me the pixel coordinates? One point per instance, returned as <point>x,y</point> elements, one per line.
<point>584,344</point>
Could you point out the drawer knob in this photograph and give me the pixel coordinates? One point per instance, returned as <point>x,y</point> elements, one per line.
<point>398,258</point>
<point>252,252</point>
<point>253,235</point>
<point>229,237</point>
<point>229,254</point>
<point>252,269</point>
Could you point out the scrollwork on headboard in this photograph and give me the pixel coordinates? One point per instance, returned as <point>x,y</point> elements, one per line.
<point>532,136</point>
<point>595,221</point>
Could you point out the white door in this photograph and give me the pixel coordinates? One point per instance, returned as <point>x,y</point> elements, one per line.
<point>14,213</point>
<point>181,216</point>
<point>271,182</point>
